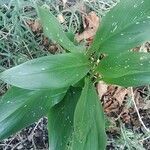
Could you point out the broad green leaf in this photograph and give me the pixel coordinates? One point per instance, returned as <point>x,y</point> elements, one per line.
<point>60,120</point>
<point>19,108</point>
<point>131,80</point>
<point>71,36</point>
<point>89,122</point>
<point>54,31</point>
<point>127,69</point>
<point>49,72</point>
<point>124,27</point>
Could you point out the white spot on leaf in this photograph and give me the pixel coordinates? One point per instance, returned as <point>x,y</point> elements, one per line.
<point>43,68</point>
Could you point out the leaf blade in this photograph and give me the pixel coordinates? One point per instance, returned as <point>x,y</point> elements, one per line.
<point>131,80</point>
<point>19,108</point>
<point>60,120</point>
<point>49,72</point>
<point>127,69</point>
<point>54,31</point>
<point>124,27</point>
<point>89,123</point>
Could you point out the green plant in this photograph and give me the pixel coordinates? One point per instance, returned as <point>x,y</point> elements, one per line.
<point>61,87</point>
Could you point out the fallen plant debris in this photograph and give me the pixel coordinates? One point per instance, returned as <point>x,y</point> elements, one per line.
<point>113,99</point>
<point>35,25</point>
<point>91,24</point>
<point>111,96</point>
<point>34,137</point>
<point>61,18</point>
<point>37,29</point>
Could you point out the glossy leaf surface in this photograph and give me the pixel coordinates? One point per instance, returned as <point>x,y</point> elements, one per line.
<point>124,27</point>
<point>19,108</point>
<point>60,121</point>
<point>128,69</point>
<point>89,122</point>
<point>54,31</point>
<point>49,72</point>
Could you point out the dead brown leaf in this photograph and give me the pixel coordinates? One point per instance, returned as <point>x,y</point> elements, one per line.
<point>101,88</point>
<point>51,47</point>
<point>36,28</point>
<point>35,25</point>
<point>91,24</point>
<point>125,115</point>
<point>120,94</point>
<point>45,41</point>
<point>61,18</point>
<point>113,98</point>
